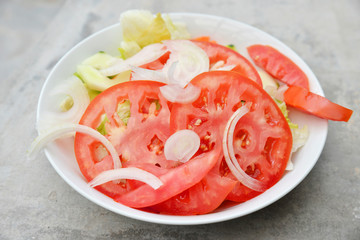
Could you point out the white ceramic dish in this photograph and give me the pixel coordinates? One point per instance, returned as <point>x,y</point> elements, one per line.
<point>224,31</point>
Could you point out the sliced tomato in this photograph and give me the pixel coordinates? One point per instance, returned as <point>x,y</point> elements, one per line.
<point>175,181</point>
<point>158,63</point>
<point>204,197</point>
<point>315,104</point>
<point>217,52</point>
<point>139,143</point>
<point>239,193</point>
<point>278,65</point>
<point>204,39</point>
<point>262,138</point>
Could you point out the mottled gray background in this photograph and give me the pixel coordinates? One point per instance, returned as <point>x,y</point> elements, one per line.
<point>35,203</point>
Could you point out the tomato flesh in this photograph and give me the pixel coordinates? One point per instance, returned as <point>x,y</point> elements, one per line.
<point>278,65</point>
<point>217,52</point>
<point>315,104</point>
<point>204,197</point>
<point>158,63</point>
<point>139,144</point>
<point>174,181</point>
<point>262,137</point>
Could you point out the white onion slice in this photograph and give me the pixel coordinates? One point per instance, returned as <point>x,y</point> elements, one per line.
<point>226,68</point>
<point>191,61</point>
<point>182,145</point>
<point>119,66</point>
<point>289,165</point>
<point>217,65</point>
<point>74,88</point>
<point>175,93</point>
<point>280,92</point>
<point>126,173</point>
<point>229,155</point>
<point>59,131</point>
<point>148,54</point>
<point>220,66</point>
<point>146,74</point>
<point>271,90</point>
<point>170,72</point>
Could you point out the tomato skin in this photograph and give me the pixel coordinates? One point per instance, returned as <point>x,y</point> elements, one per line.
<point>175,181</point>
<point>315,104</point>
<point>106,103</point>
<point>241,193</point>
<point>139,144</point>
<point>158,63</point>
<point>278,65</point>
<point>202,198</point>
<point>204,39</point>
<point>217,52</point>
<point>270,140</point>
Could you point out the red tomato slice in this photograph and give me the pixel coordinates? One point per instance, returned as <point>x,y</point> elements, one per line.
<point>262,138</point>
<point>204,39</point>
<point>158,63</point>
<point>218,52</point>
<point>175,181</point>
<point>139,143</point>
<point>278,65</point>
<point>204,197</point>
<point>314,104</point>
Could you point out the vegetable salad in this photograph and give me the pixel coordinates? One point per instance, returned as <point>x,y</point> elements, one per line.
<point>179,125</point>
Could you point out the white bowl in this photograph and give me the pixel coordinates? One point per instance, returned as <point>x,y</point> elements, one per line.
<point>224,31</point>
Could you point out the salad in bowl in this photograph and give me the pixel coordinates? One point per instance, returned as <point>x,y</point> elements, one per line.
<point>182,118</point>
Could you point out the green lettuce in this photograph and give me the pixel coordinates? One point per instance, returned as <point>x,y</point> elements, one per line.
<point>123,111</point>
<point>141,28</point>
<point>102,126</point>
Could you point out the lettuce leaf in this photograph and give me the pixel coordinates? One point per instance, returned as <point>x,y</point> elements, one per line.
<point>123,111</point>
<point>300,136</point>
<point>128,49</point>
<point>102,128</point>
<point>100,60</point>
<point>134,23</point>
<point>177,30</point>
<point>141,28</point>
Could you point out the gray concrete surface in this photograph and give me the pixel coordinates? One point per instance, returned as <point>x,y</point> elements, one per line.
<point>35,203</point>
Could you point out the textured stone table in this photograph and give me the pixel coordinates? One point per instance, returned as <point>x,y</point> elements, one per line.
<point>35,203</point>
